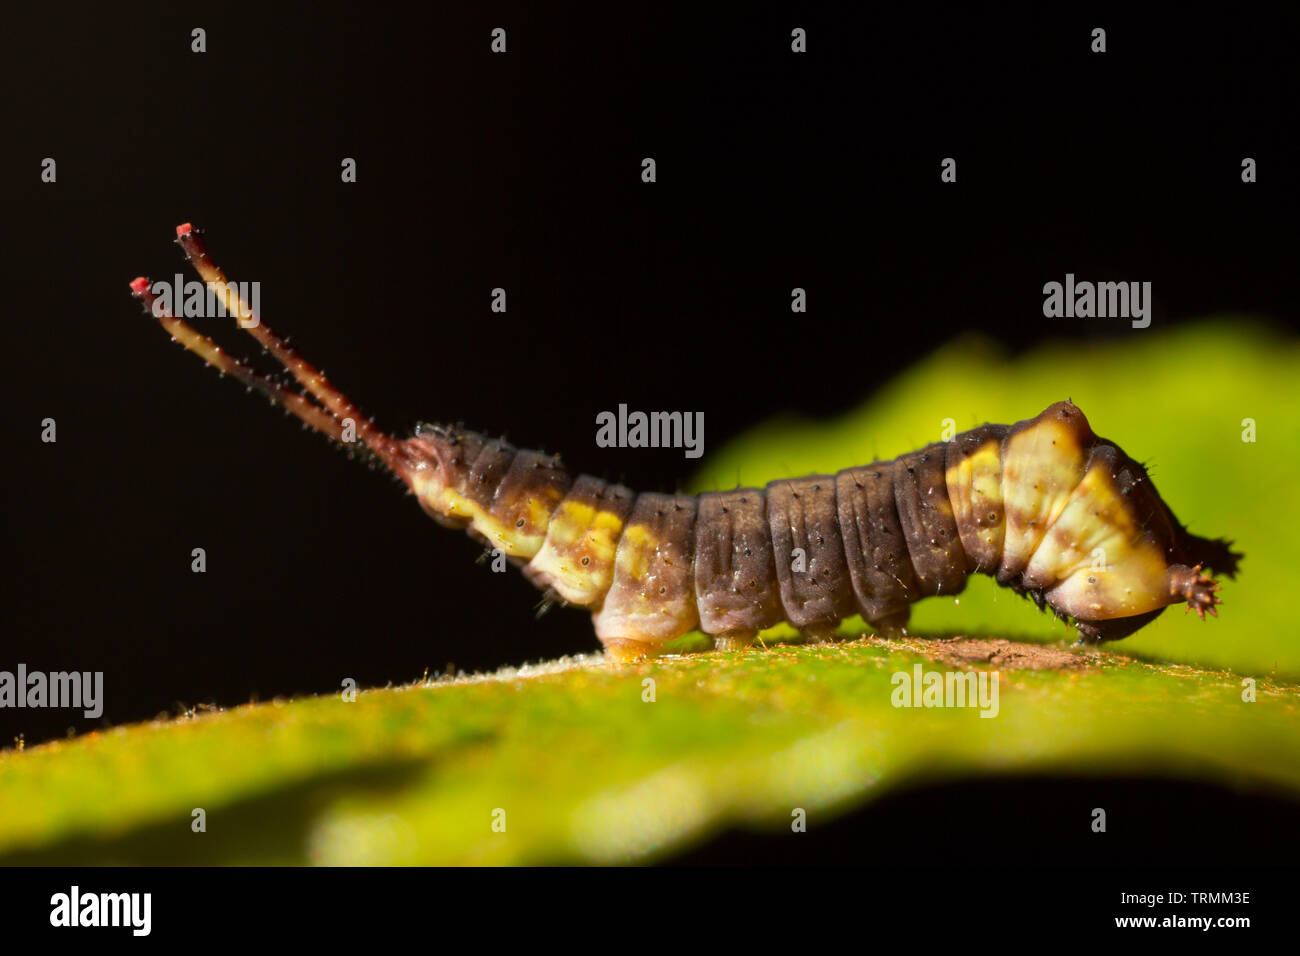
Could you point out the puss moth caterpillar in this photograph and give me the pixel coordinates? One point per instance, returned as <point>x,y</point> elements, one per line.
<point>1033,504</point>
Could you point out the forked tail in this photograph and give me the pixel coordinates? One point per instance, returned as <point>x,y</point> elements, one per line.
<point>335,416</point>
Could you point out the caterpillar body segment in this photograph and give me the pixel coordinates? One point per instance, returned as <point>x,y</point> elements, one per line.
<point>973,476</point>
<point>736,589</point>
<point>1044,506</point>
<point>651,598</point>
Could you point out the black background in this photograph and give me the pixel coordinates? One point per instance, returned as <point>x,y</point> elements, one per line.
<point>522,171</point>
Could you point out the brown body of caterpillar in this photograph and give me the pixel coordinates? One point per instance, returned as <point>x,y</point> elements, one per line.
<point>1045,506</point>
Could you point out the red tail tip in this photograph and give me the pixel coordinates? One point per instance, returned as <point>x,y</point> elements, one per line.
<point>139,285</point>
<point>184,229</point>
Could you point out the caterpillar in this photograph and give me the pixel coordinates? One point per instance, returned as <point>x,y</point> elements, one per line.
<point>1045,506</point>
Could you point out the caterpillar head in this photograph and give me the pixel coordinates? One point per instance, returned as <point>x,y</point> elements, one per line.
<point>1148,560</point>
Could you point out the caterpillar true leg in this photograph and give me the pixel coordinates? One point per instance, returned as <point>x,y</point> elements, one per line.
<point>1199,590</point>
<point>1047,507</point>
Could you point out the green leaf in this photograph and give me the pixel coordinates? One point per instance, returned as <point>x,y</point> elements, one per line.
<point>587,770</point>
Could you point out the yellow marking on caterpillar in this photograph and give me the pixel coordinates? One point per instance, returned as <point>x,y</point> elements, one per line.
<point>985,468</point>
<point>500,531</point>
<point>578,531</point>
<point>1097,523</point>
<point>504,532</point>
<point>975,490</point>
<point>634,609</point>
<point>569,522</point>
<point>636,552</point>
<point>1040,467</point>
